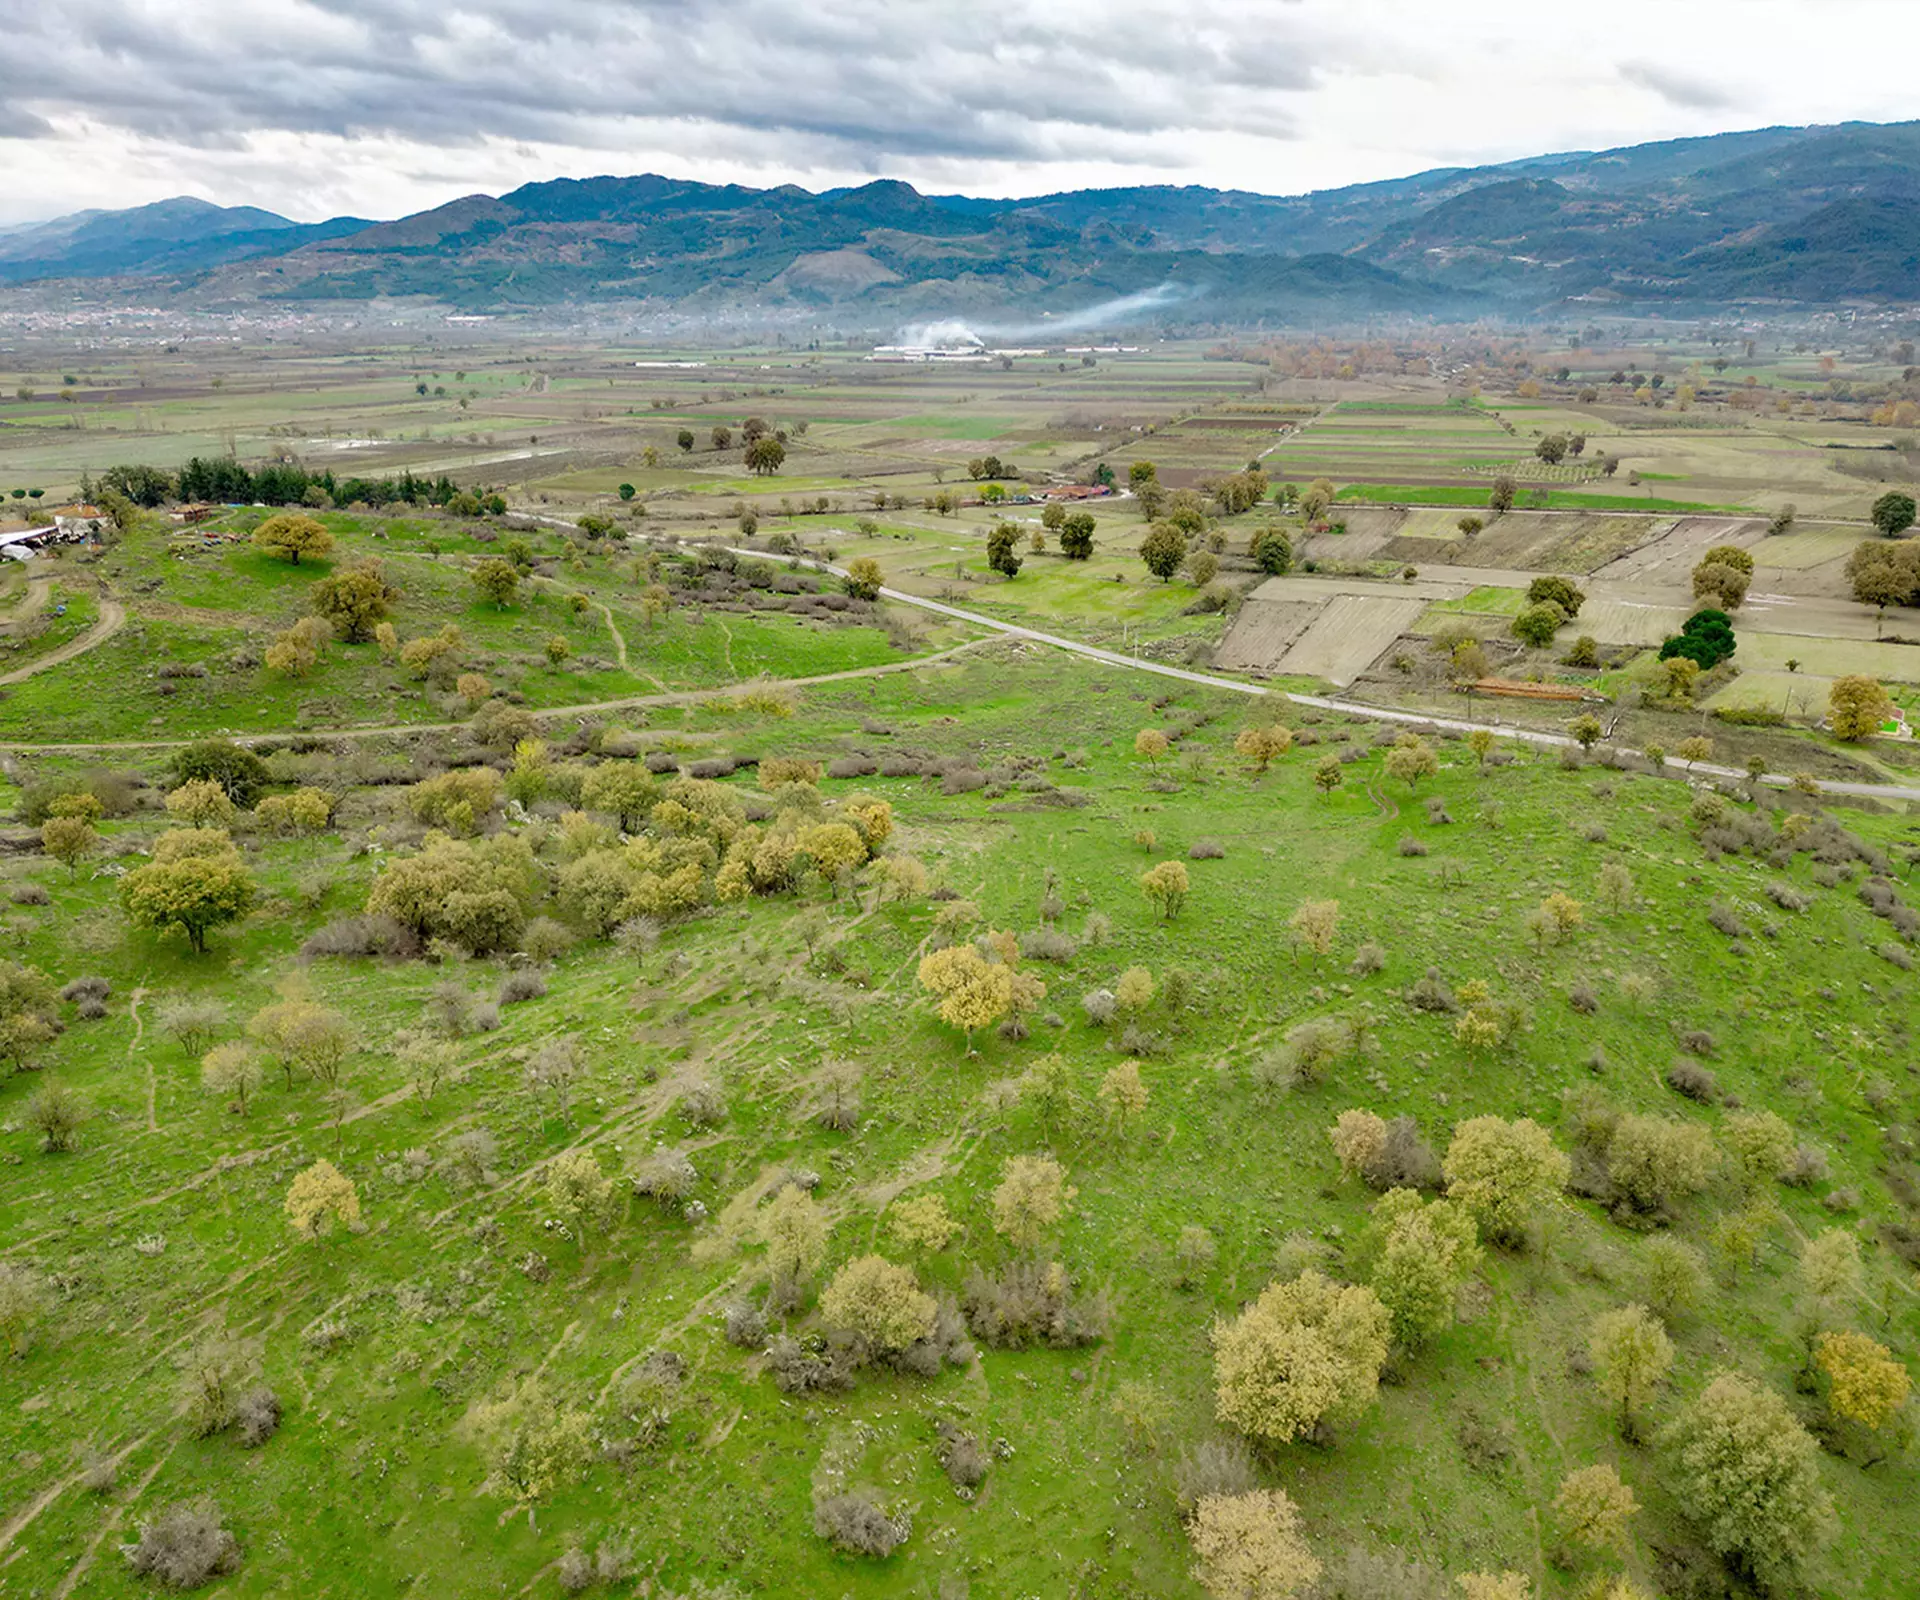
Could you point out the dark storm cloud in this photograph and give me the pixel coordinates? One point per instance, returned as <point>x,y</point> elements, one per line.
<point>1676,88</point>
<point>860,83</point>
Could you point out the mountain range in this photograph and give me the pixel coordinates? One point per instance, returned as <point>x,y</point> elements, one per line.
<point>1799,216</point>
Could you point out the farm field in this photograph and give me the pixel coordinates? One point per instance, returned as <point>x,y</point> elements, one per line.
<point>470,1316</point>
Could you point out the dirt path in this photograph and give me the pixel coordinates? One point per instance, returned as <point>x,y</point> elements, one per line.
<point>1206,680</point>
<point>133,1016</point>
<point>34,600</point>
<point>113,617</point>
<point>637,702</point>
<point>108,1525</point>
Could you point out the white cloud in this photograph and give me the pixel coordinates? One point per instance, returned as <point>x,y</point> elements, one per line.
<point>315,107</point>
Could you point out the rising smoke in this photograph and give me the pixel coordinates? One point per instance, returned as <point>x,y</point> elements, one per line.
<point>953,334</point>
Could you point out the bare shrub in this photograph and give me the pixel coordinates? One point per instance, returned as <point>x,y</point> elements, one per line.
<point>1048,944</point>
<point>1697,1042</point>
<point>666,1176</point>
<point>85,992</point>
<point>804,1366</point>
<point>518,987</point>
<point>257,1417</point>
<point>856,1522</point>
<point>746,1328</point>
<point>546,939</point>
<point>185,1547</point>
<point>1410,846</point>
<point>1584,998</point>
<point>1431,992</point>
<point>702,1104</point>
<point>1728,921</point>
<point>1031,1303</point>
<point>1356,1574</point>
<point>962,1457</point>
<point>1786,897</point>
<point>1212,1467</point>
<point>361,936</point>
<point>1807,1167</point>
<point>1206,850</point>
<point>1694,1081</point>
<point>29,894</point>
<point>1100,1007</point>
<point>1404,1161</point>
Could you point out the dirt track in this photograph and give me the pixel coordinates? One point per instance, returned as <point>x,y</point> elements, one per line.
<point>113,617</point>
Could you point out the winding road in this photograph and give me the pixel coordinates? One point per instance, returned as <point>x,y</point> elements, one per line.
<point>113,615</point>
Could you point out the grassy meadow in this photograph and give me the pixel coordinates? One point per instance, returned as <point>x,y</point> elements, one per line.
<point>386,1345</point>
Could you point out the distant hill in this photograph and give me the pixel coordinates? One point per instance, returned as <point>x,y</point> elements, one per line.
<point>170,236</point>
<point>1804,215</point>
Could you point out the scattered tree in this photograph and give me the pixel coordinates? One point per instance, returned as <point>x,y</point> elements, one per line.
<point>1749,1475</point>
<point>498,580</point>
<point>1032,1196</point>
<point>1865,1384</point>
<point>1857,707</point>
<point>320,1195</point>
<point>1305,1351</point>
<point>1505,1173</point>
<point>1594,1507</point>
<point>1250,1546</point>
<point>291,536</point>
<point>1163,549</point>
<point>1262,746</point>
<point>879,1303</point>
<point>1893,513</point>
<point>1166,886</point>
<point>1631,1354</point>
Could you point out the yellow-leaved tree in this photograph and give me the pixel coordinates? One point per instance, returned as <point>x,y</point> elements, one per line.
<point>1250,1546</point>
<point>320,1195</point>
<point>973,992</point>
<point>1304,1352</point>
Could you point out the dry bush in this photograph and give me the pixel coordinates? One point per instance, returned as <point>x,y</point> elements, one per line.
<point>1368,959</point>
<point>1431,992</point>
<point>185,1547</point>
<point>519,987</point>
<point>803,1366</point>
<point>1694,1081</point>
<point>1048,944</point>
<point>1032,1303</point>
<point>856,1522</point>
<point>1212,1467</point>
<point>962,1457</point>
<point>1206,850</point>
<point>702,1105</point>
<point>1405,1160</point>
<point>362,936</point>
<point>257,1417</point>
<point>1410,846</point>
<point>746,1327</point>
<point>1723,917</point>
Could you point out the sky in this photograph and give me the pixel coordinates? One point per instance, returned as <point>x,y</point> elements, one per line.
<point>376,108</point>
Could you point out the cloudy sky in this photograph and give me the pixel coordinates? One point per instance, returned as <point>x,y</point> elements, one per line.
<point>380,107</point>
